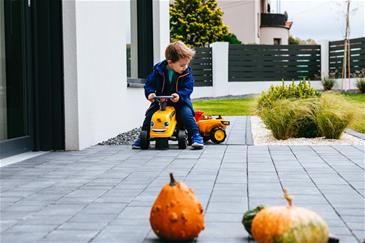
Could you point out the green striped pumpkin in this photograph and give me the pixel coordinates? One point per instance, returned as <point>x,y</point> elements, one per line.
<point>289,224</point>
<point>249,216</point>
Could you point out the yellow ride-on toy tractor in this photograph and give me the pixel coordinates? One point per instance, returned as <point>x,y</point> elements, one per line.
<point>211,128</point>
<point>164,127</point>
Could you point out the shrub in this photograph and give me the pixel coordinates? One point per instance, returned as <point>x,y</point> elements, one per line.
<point>289,118</point>
<point>301,90</point>
<point>326,116</point>
<point>328,83</point>
<point>360,84</point>
<point>333,115</point>
<point>231,39</point>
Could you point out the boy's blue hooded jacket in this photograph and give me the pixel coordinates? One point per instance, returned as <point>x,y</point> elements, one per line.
<point>157,82</point>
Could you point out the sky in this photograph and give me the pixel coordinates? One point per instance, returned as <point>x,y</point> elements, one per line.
<point>322,19</point>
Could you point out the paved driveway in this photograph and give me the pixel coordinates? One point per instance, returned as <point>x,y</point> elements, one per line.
<point>104,193</point>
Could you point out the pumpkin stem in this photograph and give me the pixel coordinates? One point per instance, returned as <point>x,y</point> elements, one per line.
<point>288,198</point>
<point>172,180</point>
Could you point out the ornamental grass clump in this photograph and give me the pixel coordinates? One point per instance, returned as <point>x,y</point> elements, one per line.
<point>325,116</point>
<point>290,118</point>
<point>360,84</point>
<point>333,115</point>
<point>328,83</point>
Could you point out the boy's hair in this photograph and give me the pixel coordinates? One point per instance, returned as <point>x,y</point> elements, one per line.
<point>178,50</point>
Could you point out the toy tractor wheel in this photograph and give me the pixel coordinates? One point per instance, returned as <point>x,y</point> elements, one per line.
<point>145,143</point>
<point>218,135</point>
<point>162,143</point>
<point>181,138</point>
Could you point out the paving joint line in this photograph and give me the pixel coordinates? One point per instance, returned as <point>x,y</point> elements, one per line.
<point>338,173</point>
<point>362,151</point>
<point>143,190</point>
<point>323,195</point>
<point>347,157</point>
<point>49,204</point>
<point>88,203</point>
<point>216,178</point>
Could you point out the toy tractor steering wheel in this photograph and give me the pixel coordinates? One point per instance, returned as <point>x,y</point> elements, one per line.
<point>162,100</point>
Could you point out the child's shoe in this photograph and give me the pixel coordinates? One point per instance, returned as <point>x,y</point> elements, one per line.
<point>137,144</point>
<point>197,141</point>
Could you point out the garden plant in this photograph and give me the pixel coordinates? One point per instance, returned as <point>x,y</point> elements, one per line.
<point>360,84</point>
<point>292,111</point>
<point>327,83</point>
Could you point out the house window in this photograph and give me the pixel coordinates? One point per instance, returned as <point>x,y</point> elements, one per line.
<point>277,41</point>
<point>131,40</point>
<point>139,45</point>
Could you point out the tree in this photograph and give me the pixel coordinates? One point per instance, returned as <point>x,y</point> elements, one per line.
<point>232,39</point>
<point>297,41</point>
<point>293,41</point>
<point>197,22</point>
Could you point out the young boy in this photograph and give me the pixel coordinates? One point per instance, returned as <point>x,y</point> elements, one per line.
<point>173,77</point>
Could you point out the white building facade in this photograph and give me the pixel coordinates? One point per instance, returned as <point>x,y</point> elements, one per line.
<point>79,57</point>
<point>98,102</point>
<point>253,23</point>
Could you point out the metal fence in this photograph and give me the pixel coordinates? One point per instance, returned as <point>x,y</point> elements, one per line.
<point>202,67</point>
<point>274,62</point>
<point>357,60</point>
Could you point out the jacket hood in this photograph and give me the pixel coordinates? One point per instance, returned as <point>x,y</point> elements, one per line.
<point>161,67</point>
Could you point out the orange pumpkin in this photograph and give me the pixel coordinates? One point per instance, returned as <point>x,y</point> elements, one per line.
<point>289,224</point>
<point>176,214</point>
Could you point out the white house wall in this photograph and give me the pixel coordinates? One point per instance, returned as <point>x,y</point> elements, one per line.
<point>161,28</point>
<point>269,33</point>
<point>98,104</point>
<point>241,17</point>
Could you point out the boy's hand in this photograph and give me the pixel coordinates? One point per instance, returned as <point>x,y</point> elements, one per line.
<point>151,97</point>
<point>176,97</point>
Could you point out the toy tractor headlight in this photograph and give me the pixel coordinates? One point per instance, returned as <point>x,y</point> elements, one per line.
<point>166,124</point>
<point>152,123</point>
<point>225,123</point>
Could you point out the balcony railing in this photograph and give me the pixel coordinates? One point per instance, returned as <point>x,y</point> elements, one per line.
<point>273,20</point>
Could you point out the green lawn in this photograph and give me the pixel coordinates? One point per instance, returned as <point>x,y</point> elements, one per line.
<point>246,106</point>
<point>227,107</point>
<point>359,105</point>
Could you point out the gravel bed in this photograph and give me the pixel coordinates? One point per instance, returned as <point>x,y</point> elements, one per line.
<point>125,138</point>
<point>263,136</point>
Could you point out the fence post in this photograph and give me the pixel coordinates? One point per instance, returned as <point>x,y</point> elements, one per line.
<point>220,68</point>
<point>324,58</point>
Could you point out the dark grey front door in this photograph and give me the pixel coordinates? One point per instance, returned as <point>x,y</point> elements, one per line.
<point>15,78</point>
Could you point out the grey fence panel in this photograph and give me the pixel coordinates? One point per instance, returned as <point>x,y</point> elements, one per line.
<point>202,67</point>
<point>274,62</point>
<point>357,60</point>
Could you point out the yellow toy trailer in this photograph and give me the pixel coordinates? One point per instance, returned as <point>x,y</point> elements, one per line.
<point>164,127</point>
<point>212,128</point>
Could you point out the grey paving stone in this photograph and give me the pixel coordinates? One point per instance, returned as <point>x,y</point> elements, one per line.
<point>102,193</point>
<point>122,234</point>
<point>223,217</point>
<point>221,231</point>
<point>29,228</point>
<point>83,217</point>
<point>6,224</point>
<point>70,236</point>
<point>82,226</point>
<point>24,237</point>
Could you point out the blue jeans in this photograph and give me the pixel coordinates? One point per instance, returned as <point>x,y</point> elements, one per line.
<point>184,117</point>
